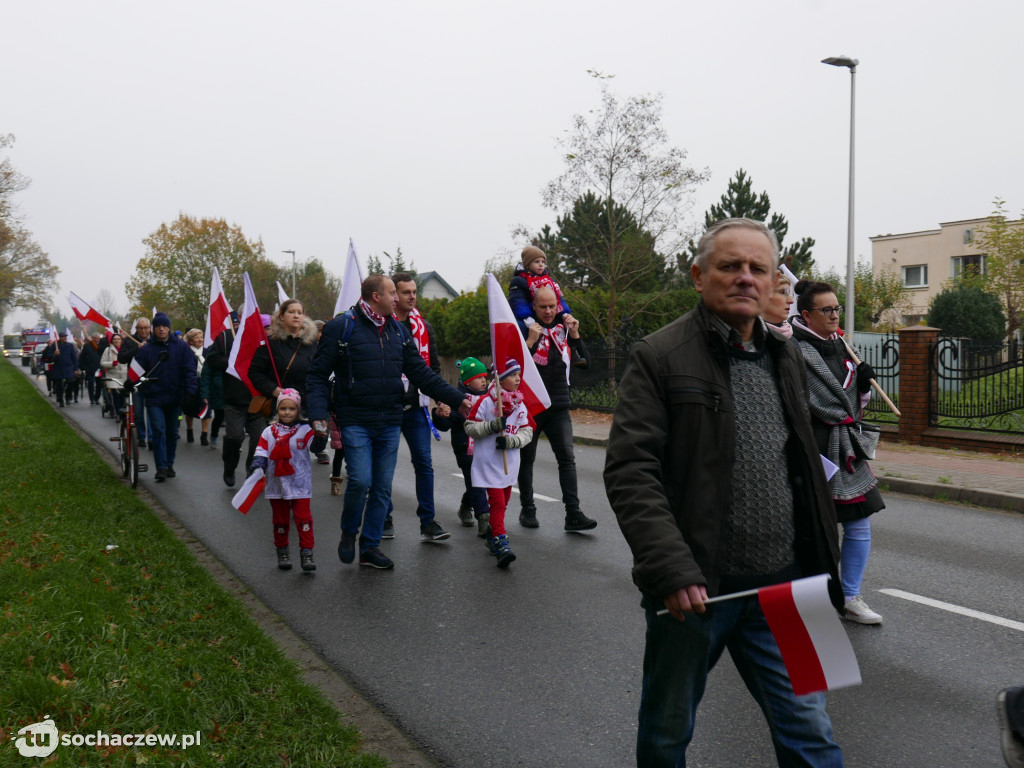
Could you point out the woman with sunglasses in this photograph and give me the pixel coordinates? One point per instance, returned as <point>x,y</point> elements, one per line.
<point>839,389</point>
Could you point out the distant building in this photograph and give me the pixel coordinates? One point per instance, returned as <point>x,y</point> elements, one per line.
<point>926,260</point>
<point>431,285</point>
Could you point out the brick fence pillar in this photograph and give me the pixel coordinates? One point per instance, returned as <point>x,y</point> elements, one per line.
<point>916,381</point>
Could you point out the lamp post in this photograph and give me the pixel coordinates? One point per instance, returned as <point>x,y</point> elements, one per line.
<point>851,64</point>
<point>293,270</point>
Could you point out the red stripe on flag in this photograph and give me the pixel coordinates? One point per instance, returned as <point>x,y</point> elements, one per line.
<point>793,639</point>
<point>135,371</point>
<point>249,492</point>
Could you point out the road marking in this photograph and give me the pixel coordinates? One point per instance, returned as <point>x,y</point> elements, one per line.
<point>515,490</point>
<point>1019,626</point>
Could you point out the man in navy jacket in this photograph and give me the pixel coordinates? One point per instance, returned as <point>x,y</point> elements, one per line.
<point>175,378</point>
<point>368,351</point>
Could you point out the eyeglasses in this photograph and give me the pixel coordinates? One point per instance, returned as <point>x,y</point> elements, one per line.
<point>829,310</point>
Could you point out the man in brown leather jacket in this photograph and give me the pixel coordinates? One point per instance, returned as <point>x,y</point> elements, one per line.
<point>715,479</point>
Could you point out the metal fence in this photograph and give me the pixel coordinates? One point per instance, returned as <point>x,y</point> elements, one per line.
<point>882,352</point>
<point>978,387</point>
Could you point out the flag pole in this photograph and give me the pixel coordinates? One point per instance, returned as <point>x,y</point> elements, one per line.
<point>497,408</point>
<point>730,596</point>
<point>874,384</point>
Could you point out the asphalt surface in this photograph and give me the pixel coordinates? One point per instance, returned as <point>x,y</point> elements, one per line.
<point>540,665</point>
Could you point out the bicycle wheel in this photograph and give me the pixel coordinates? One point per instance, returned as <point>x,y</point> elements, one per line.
<point>134,456</point>
<point>125,447</point>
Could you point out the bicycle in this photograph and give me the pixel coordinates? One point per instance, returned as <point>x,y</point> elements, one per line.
<point>127,437</point>
<point>128,434</point>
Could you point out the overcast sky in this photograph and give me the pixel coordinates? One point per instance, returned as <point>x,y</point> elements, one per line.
<point>433,126</point>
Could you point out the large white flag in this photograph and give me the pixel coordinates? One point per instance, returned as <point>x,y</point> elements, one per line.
<point>508,343</point>
<point>351,283</point>
<point>218,314</point>
<point>282,295</point>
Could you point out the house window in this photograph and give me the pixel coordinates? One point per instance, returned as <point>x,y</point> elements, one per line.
<point>968,236</point>
<point>970,264</point>
<point>916,276</point>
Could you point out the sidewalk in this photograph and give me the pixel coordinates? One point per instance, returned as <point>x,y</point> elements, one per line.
<point>965,477</point>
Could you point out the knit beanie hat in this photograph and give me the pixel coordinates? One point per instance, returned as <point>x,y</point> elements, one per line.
<point>290,394</point>
<point>511,366</point>
<point>161,319</point>
<point>470,368</point>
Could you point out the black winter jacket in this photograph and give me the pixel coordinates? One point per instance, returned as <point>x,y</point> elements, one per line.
<point>456,422</point>
<point>284,347</point>
<point>553,374</point>
<point>368,370</point>
<point>668,467</point>
<point>217,356</point>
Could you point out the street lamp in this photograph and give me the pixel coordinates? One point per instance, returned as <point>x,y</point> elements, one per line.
<point>293,271</point>
<point>851,64</point>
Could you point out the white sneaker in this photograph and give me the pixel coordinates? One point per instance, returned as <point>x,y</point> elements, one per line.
<point>857,610</point>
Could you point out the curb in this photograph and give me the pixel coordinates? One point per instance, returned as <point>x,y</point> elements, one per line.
<point>954,494</point>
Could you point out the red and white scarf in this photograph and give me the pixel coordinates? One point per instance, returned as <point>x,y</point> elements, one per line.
<point>422,339</point>
<point>556,336</point>
<point>281,453</point>
<point>375,317</point>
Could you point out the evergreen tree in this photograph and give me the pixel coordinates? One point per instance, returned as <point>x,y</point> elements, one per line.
<point>740,202</point>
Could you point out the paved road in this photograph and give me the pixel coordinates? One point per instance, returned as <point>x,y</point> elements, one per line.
<point>540,665</point>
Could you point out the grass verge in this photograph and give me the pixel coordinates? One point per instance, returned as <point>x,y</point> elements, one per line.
<point>108,624</point>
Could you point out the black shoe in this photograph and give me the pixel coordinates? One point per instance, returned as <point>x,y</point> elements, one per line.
<point>347,547</point>
<point>171,472</point>
<point>375,559</point>
<point>576,521</point>
<point>389,529</point>
<point>306,558</point>
<point>203,439</point>
<point>323,458</point>
<point>190,435</point>
<point>161,474</point>
<point>466,515</point>
<point>229,477</point>
<point>284,560</point>
<point>502,550</point>
<point>528,517</point>
<point>432,531</point>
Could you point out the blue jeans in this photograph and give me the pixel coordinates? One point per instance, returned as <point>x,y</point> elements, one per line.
<point>853,558</point>
<point>370,454</point>
<point>678,657</point>
<point>417,437</point>
<point>163,430</point>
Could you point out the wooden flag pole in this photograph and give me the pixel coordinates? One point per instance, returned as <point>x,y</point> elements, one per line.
<point>874,384</point>
<point>497,408</point>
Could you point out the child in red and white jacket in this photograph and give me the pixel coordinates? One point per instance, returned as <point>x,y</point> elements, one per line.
<point>497,435</point>
<point>283,454</point>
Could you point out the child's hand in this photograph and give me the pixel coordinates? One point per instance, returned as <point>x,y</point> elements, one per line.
<point>258,462</point>
<point>501,442</point>
<point>444,410</point>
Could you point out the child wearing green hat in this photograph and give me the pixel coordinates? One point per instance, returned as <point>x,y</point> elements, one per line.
<point>472,382</point>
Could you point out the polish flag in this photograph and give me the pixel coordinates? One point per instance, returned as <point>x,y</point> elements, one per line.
<point>351,282</point>
<point>135,371</point>
<point>249,492</point>
<point>251,336</point>
<point>218,314</point>
<point>508,343</point>
<point>53,334</point>
<point>814,646</point>
<point>84,311</point>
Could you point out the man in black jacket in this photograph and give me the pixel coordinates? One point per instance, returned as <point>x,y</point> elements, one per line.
<point>714,475</point>
<point>238,422</point>
<point>369,351</point>
<point>415,416</point>
<point>553,339</point>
